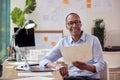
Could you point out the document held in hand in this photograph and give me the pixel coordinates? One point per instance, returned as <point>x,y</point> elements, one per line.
<point>80,53</point>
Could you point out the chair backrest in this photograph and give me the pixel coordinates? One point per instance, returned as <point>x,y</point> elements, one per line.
<point>105,73</point>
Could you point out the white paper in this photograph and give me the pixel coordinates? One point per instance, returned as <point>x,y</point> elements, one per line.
<point>73,53</point>
<point>35,74</point>
<point>36,78</point>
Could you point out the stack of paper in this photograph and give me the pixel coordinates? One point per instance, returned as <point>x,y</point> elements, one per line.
<point>36,78</point>
<point>35,74</point>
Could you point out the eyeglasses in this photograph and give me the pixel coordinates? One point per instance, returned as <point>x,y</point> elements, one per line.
<point>72,22</point>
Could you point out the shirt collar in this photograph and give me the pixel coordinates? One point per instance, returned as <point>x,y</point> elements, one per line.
<point>82,38</point>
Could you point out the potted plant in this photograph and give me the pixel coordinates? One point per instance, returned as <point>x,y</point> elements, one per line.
<point>18,15</point>
<point>18,18</point>
<point>99,30</point>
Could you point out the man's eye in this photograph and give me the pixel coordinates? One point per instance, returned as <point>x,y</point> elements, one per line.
<point>71,23</point>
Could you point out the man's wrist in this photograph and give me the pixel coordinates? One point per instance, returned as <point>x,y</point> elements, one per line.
<point>58,66</point>
<point>90,67</point>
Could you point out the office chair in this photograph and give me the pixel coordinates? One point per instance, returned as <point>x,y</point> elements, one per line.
<point>105,73</point>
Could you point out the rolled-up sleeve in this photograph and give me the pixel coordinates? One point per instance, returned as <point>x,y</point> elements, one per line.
<point>98,57</point>
<point>44,62</point>
<point>51,56</point>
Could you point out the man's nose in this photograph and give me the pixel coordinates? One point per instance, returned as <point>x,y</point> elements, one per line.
<point>74,24</point>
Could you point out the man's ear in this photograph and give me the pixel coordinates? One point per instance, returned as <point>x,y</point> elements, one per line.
<point>81,24</point>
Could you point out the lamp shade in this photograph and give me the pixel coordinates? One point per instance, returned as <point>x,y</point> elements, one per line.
<point>29,24</point>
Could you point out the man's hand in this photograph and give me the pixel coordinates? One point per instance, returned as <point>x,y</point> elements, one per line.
<point>80,65</point>
<point>84,66</point>
<point>63,69</point>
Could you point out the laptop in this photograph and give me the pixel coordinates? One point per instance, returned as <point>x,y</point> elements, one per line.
<point>33,67</point>
<point>38,69</point>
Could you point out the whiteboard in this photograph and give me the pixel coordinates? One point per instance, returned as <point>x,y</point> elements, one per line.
<point>47,39</point>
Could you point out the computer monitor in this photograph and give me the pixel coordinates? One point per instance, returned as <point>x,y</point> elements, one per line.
<point>25,38</point>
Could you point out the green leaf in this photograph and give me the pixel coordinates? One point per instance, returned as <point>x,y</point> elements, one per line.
<point>30,6</point>
<point>18,17</point>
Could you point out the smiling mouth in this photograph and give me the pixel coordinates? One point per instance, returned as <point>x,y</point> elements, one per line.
<point>75,30</point>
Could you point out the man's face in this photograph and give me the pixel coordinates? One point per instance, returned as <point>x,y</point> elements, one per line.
<point>73,24</point>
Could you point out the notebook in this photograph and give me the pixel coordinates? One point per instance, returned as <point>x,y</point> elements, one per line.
<point>81,53</point>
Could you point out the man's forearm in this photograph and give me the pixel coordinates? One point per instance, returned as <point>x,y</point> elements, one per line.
<point>50,65</point>
<point>91,67</point>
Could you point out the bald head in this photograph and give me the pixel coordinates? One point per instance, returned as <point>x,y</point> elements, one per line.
<point>71,14</point>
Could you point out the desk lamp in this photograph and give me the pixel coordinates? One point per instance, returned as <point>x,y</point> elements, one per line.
<point>27,25</point>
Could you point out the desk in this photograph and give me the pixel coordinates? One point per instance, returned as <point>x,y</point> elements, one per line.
<point>10,73</point>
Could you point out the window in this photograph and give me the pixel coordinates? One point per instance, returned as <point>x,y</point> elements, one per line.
<point>4,27</point>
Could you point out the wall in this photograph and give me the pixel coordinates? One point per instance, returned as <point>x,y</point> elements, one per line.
<point>112,59</point>
<point>50,15</point>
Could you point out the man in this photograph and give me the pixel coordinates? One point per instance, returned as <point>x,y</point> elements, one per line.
<point>77,70</point>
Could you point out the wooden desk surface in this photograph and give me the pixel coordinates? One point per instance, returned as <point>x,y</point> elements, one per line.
<point>10,73</point>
